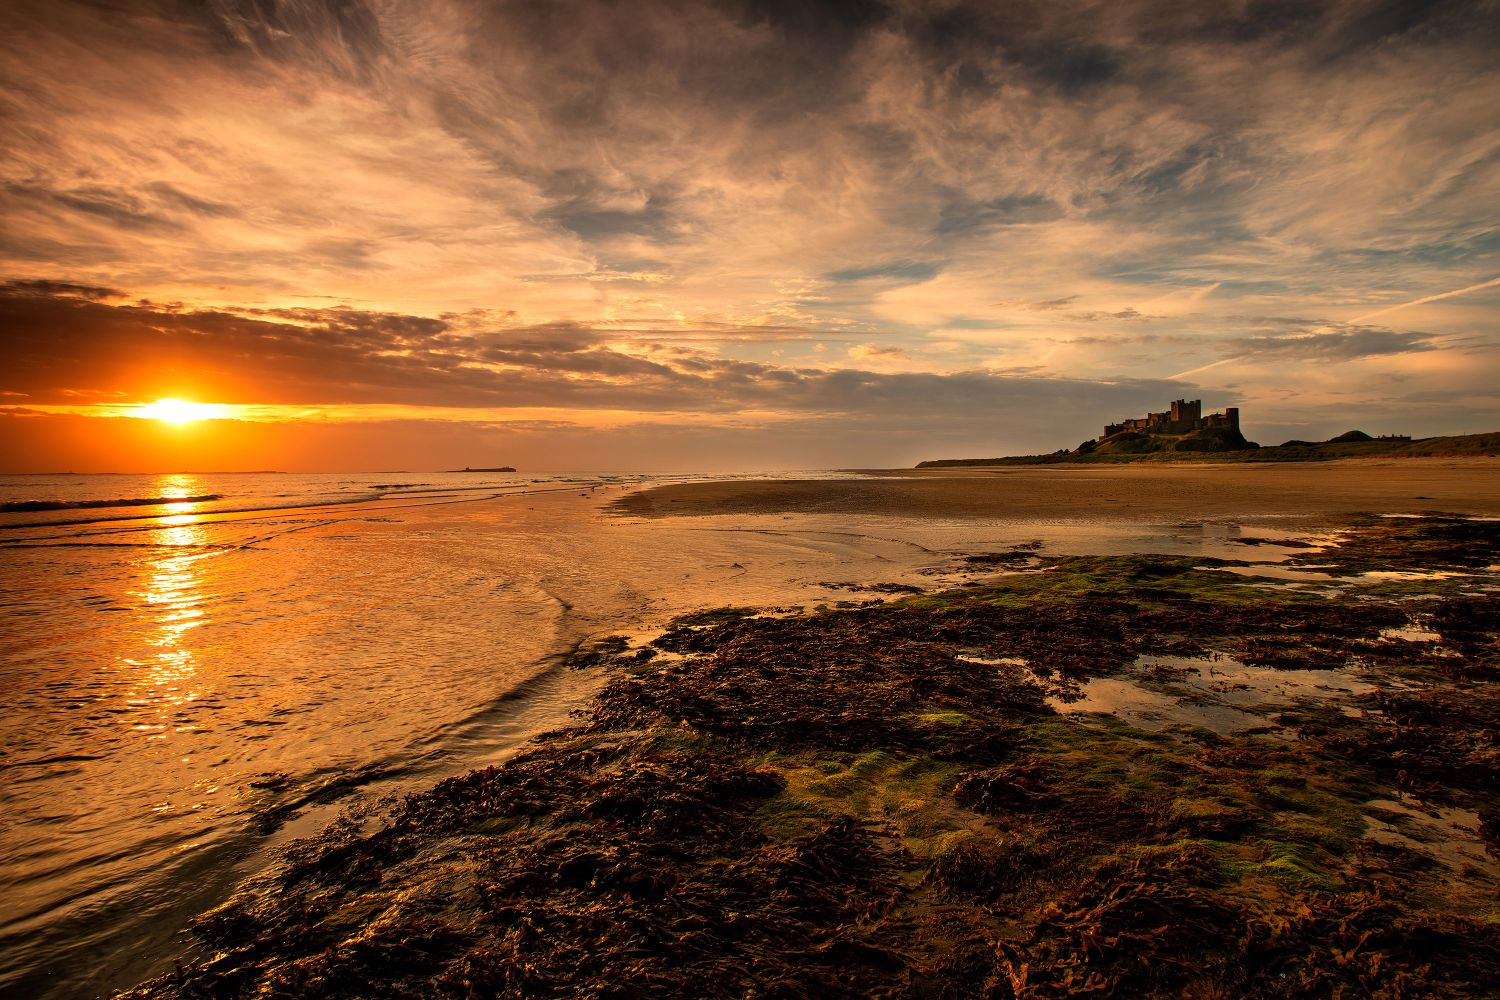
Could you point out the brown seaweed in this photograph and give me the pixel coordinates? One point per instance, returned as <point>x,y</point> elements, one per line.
<point>882,801</point>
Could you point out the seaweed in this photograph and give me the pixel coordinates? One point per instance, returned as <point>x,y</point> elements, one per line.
<point>1434,542</point>
<point>1442,743</point>
<point>1469,623</point>
<point>885,801</point>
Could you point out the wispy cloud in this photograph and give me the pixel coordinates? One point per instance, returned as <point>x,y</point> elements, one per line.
<point>1336,345</point>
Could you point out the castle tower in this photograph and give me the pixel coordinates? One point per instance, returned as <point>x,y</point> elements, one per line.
<point>1184,411</point>
<point>1232,414</point>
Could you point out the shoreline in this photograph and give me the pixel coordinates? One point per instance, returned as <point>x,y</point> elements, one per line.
<point>897,799</point>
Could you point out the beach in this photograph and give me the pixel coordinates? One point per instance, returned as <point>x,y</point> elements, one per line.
<point>1304,494</point>
<point>1199,739</point>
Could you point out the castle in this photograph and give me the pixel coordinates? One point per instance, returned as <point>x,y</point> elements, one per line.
<point>1183,417</point>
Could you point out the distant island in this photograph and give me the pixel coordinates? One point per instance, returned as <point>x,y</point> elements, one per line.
<point>499,468</point>
<point>1182,433</point>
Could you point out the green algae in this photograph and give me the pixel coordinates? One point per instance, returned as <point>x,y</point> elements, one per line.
<point>713,616</point>
<point>1069,579</point>
<point>908,793</point>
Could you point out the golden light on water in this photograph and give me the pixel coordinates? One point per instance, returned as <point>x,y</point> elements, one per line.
<point>170,586</point>
<point>180,411</point>
<point>179,488</point>
<point>174,486</point>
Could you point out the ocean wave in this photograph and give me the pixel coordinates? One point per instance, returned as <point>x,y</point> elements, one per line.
<point>29,505</point>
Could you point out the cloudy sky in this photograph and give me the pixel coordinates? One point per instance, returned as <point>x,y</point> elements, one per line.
<point>391,234</point>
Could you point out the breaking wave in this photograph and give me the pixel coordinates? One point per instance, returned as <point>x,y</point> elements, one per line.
<point>28,505</point>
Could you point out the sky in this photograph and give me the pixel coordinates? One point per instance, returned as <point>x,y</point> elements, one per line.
<point>751,234</point>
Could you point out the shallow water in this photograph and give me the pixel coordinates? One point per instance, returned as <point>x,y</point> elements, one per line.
<point>1216,692</point>
<point>1445,833</point>
<point>187,691</point>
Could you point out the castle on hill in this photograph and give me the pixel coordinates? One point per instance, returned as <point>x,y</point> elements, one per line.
<point>1182,417</point>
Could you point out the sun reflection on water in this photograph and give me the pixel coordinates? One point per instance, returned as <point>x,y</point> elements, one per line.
<point>170,586</point>
<point>170,488</point>
<point>178,485</point>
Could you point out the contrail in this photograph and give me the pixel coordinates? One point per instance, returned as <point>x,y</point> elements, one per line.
<point>1431,298</point>
<point>1214,364</point>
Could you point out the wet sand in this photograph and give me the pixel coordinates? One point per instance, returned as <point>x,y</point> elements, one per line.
<point>1305,494</point>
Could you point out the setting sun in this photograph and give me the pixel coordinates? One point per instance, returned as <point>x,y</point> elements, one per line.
<point>179,411</point>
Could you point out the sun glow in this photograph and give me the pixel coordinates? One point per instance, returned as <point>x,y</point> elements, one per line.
<point>179,411</point>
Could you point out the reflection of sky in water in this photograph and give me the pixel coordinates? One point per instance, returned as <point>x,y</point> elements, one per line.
<point>1215,691</point>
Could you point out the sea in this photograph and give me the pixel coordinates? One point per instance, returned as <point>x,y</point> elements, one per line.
<point>198,669</point>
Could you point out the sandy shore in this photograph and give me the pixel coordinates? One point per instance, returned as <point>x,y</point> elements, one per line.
<point>1307,493</point>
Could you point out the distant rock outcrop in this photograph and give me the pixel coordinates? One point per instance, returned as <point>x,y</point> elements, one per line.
<point>1214,439</point>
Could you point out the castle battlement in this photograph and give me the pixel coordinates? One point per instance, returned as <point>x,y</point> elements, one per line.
<point>1181,417</point>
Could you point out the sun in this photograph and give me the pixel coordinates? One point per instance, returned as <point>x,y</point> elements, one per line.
<point>180,411</point>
